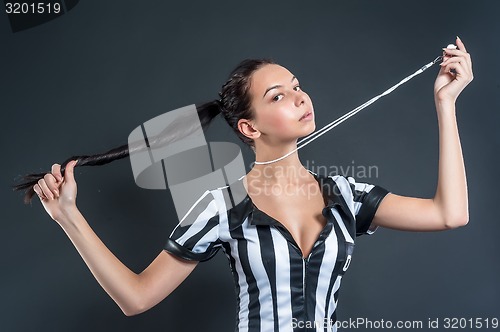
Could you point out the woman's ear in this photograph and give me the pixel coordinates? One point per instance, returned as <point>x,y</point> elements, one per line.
<point>247,128</point>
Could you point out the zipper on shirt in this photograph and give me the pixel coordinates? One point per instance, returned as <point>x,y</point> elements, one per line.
<point>305,261</point>
<point>304,264</point>
<point>282,229</point>
<point>304,282</point>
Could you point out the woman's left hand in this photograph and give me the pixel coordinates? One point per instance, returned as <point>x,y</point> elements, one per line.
<point>455,74</point>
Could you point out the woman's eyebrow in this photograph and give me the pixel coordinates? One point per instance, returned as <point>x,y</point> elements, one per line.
<point>276,86</point>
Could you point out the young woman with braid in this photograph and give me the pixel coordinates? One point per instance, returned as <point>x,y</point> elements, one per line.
<point>288,252</point>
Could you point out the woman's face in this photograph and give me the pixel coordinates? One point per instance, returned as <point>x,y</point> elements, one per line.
<point>282,111</point>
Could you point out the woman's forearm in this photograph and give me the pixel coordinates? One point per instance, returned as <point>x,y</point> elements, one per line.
<point>118,281</point>
<point>451,193</point>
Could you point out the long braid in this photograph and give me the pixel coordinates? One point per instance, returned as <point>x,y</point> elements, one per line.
<point>174,131</point>
<point>30,180</point>
<point>234,103</point>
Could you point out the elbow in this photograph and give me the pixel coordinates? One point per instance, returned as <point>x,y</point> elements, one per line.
<point>130,311</point>
<point>456,221</point>
<point>131,307</point>
<point>135,308</point>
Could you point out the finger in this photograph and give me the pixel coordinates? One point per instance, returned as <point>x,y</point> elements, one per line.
<point>467,68</point>
<point>46,191</point>
<point>69,171</point>
<point>450,70</point>
<point>452,52</point>
<point>446,57</point>
<point>451,60</point>
<point>56,171</point>
<point>461,45</point>
<point>38,191</point>
<point>465,59</point>
<point>457,54</point>
<point>51,183</point>
<point>456,69</point>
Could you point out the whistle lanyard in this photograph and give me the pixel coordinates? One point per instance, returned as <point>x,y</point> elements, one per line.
<point>306,140</point>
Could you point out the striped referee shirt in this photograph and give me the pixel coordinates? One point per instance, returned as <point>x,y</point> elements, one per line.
<point>277,289</point>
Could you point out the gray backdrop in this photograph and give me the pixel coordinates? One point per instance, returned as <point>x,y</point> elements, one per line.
<point>81,83</point>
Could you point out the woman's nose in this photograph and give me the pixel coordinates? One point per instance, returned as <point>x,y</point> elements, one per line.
<point>300,98</point>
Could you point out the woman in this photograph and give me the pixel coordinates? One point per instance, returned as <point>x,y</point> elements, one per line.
<point>290,241</point>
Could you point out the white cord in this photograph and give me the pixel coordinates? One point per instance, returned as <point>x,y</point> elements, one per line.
<point>346,116</point>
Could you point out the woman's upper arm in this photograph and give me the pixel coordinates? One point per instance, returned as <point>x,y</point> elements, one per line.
<point>161,278</point>
<point>194,239</point>
<point>409,214</point>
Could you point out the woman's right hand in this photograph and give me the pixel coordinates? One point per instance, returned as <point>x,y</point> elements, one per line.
<point>134,293</point>
<point>58,193</point>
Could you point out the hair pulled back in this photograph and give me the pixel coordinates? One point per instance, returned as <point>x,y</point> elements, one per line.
<point>234,103</point>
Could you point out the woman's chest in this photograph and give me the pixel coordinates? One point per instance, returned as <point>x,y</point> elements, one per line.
<point>298,215</point>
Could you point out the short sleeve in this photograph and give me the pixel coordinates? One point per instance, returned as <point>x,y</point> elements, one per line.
<point>196,237</point>
<point>367,198</point>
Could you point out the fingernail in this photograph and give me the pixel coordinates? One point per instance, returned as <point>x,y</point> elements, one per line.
<point>458,38</point>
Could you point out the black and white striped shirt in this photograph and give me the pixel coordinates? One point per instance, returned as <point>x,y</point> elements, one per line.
<point>276,288</point>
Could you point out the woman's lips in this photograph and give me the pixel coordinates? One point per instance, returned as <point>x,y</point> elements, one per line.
<point>307,116</point>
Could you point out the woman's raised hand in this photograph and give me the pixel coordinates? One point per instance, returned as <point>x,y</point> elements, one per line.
<point>58,193</point>
<point>455,74</point>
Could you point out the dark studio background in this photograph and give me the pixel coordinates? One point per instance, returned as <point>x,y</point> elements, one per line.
<point>79,84</point>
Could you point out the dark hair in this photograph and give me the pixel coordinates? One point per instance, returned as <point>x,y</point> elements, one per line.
<point>234,103</point>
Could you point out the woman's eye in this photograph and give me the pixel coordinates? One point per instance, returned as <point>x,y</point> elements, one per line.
<point>277,97</point>
<point>280,96</point>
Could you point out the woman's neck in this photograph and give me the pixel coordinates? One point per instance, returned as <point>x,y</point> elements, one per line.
<point>287,171</point>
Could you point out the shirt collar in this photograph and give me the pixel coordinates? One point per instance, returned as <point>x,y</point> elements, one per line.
<point>246,208</point>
